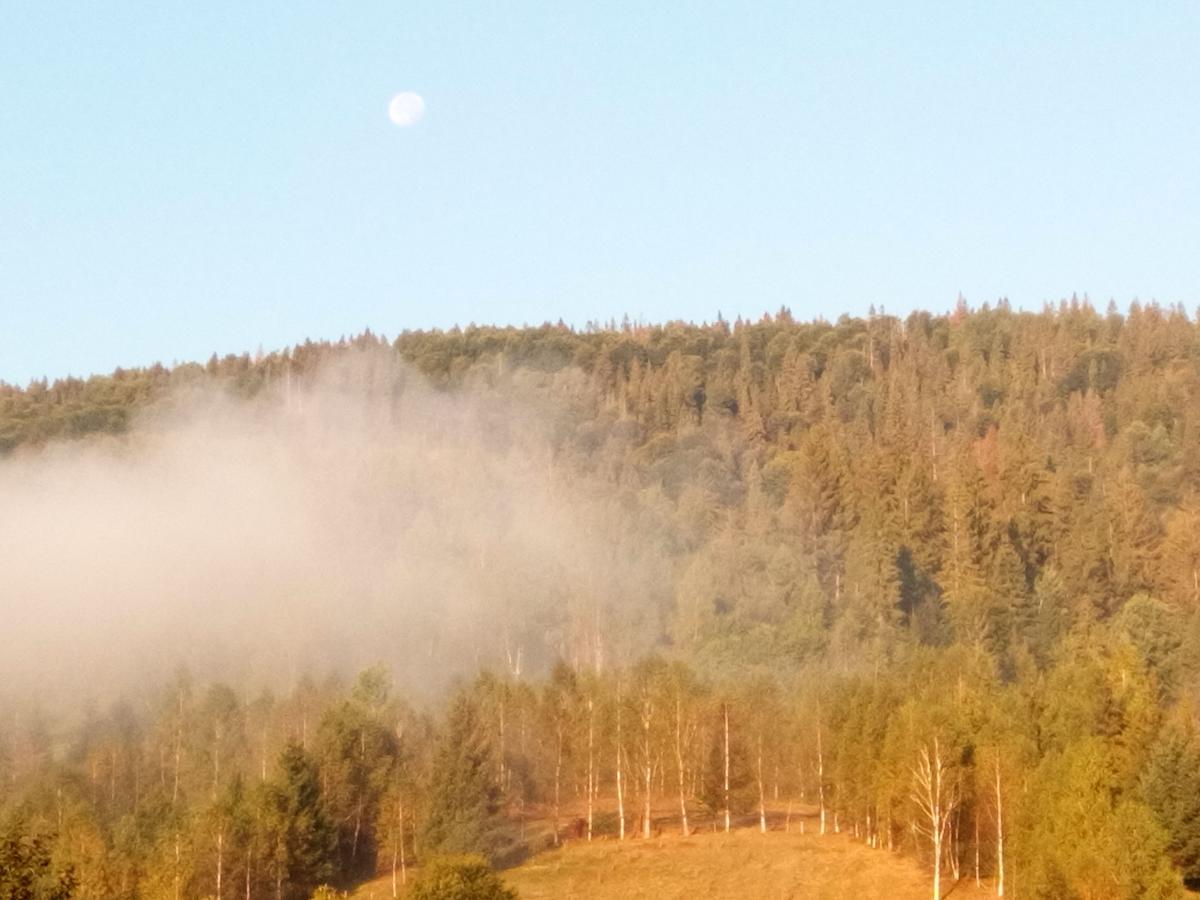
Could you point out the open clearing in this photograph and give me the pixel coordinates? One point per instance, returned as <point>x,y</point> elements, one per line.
<point>738,865</point>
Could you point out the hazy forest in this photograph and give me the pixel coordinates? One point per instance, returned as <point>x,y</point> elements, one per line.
<point>319,616</point>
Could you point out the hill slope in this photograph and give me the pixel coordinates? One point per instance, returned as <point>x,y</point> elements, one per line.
<point>774,866</point>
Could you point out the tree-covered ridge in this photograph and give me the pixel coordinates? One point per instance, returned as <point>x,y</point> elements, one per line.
<point>938,578</point>
<point>903,465</point>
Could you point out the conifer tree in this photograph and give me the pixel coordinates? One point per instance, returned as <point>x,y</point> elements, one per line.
<point>303,842</point>
<point>463,813</point>
<point>26,869</point>
<point>1171,786</point>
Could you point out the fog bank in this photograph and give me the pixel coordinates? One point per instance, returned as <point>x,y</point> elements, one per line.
<point>362,516</point>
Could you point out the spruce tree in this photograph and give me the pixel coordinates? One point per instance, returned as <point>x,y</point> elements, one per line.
<point>464,813</point>
<point>305,841</point>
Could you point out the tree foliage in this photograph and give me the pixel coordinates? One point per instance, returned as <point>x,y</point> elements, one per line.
<point>462,877</point>
<point>878,547</point>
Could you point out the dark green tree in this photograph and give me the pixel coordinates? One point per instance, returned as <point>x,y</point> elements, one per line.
<point>1171,786</point>
<point>303,840</point>
<point>26,871</point>
<point>357,751</point>
<point>464,800</point>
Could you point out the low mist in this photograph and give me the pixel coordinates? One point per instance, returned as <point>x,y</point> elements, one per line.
<point>360,517</point>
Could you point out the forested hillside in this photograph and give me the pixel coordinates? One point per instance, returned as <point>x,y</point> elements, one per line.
<point>937,576</point>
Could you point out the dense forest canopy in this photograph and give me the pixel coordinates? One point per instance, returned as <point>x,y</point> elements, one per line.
<point>939,575</point>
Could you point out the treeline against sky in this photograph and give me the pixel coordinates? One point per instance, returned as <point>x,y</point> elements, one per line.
<point>960,550</point>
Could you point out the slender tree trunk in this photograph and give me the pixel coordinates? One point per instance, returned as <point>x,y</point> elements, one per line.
<point>400,830</point>
<point>978,883</point>
<point>726,781</point>
<point>398,847</point>
<point>762,803</point>
<point>503,786</point>
<point>937,867</point>
<point>220,858</point>
<point>820,775</point>
<point>648,766</point>
<point>178,750</point>
<point>524,754</point>
<point>955,844</point>
<point>937,802</point>
<point>999,833</point>
<point>357,829</point>
<point>558,777</point>
<point>249,869</point>
<point>620,778</point>
<point>683,815</point>
<point>591,777</point>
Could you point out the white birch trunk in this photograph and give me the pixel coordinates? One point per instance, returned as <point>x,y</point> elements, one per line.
<point>648,766</point>
<point>937,802</point>
<point>955,845</point>
<point>726,782</point>
<point>820,776</point>
<point>591,776</point>
<point>762,804</point>
<point>683,814</point>
<point>620,774</point>
<point>220,858</point>
<point>999,833</point>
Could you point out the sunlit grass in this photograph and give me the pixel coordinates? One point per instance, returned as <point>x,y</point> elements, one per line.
<point>744,864</point>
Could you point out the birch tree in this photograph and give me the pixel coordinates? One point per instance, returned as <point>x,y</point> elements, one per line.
<point>935,794</point>
<point>559,701</point>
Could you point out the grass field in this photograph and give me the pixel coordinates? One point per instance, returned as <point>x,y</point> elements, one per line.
<point>744,864</point>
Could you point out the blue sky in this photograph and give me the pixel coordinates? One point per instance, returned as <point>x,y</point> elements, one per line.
<point>182,179</point>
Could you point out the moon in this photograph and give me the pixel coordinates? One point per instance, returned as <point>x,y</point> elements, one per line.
<point>406,108</point>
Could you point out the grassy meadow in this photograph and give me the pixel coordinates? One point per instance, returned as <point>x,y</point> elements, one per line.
<point>777,865</point>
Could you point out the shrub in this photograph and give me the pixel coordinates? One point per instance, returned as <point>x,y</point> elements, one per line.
<point>460,878</point>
